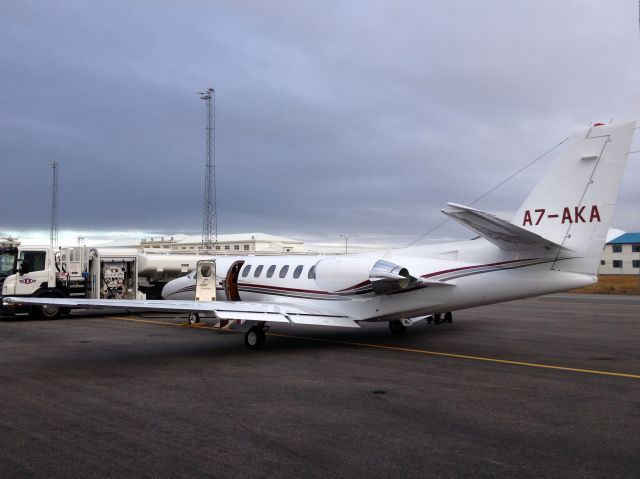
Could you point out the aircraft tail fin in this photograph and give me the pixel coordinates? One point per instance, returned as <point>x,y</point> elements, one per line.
<point>572,206</point>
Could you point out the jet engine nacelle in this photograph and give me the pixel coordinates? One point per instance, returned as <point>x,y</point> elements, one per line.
<point>348,275</point>
<point>388,277</point>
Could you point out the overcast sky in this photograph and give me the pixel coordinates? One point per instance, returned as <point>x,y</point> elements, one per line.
<point>359,118</point>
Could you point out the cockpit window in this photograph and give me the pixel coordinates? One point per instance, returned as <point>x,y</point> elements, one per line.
<point>312,272</point>
<point>284,270</point>
<point>245,271</point>
<point>298,271</point>
<point>271,270</point>
<point>258,271</point>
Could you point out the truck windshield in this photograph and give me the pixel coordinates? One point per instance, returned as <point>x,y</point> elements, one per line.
<point>7,263</point>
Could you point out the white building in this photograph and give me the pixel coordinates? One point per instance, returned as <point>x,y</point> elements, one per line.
<point>242,243</point>
<point>621,255</point>
<point>245,243</point>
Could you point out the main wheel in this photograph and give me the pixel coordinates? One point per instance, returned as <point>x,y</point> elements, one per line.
<point>194,318</point>
<point>448,317</point>
<point>437,318</point>
<point>255,337</point>
<point>397,327</point>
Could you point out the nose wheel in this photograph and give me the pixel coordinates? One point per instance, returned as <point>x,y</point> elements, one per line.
<point>255,337</point>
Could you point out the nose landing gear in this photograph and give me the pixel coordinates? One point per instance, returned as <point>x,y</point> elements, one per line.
<point>194,318</point>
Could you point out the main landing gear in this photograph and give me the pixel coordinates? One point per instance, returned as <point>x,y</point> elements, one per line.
<point>438,319</point>
<point>397,326</point>
<point>255,337</point>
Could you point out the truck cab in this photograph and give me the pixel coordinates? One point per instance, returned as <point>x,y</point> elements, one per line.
<point>35,271</point>
<point>35,275</point>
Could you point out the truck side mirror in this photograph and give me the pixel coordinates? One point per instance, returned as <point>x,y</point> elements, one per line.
<point>24,266</point>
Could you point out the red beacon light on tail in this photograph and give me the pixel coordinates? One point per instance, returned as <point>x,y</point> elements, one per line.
<point>599,124</point>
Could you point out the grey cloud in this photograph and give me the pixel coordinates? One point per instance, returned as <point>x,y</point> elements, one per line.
<point>359,117</point>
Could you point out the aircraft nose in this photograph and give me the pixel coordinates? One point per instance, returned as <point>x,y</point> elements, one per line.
<point>169,289</point>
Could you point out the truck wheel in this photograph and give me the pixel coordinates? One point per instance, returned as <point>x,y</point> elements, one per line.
<point>47,311</point>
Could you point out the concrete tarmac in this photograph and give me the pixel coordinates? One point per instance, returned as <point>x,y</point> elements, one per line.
<point>548,387</point>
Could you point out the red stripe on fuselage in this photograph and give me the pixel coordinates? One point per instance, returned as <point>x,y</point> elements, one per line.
<point>280,288</point>
<point>359,285</point>
<point>429,275</point>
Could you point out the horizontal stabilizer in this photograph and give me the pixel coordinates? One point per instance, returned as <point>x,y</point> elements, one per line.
<point>268,311</point>
<point>503,234</point>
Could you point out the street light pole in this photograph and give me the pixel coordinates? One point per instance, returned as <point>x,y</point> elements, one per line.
<point>346,242</point>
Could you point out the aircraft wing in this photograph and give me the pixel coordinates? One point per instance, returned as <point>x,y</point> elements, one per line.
<point>503,234</point>
<point>243,310</point>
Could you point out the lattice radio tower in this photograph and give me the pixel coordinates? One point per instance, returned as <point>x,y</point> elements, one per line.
<point>209,216</point>
<point>53,232</point>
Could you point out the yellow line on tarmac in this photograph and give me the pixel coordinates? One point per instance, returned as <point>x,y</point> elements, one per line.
<point>400,349</point>
<point>462,356</point>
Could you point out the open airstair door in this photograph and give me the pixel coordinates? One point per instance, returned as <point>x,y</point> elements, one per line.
<point>206,280</point>
<point>231,281</point>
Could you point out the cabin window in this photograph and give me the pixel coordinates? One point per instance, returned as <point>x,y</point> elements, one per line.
<point>245,271</point>
<point>271,270</point>
<point>298,271</point>
<point>284,270</point>
<point>258,271</point>
<point>617,263</point>
<point>312,272</point>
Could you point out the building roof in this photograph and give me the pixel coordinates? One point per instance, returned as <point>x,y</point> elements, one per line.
<point>222,238</point>
<point>237,238</point>
<point>626,238</point>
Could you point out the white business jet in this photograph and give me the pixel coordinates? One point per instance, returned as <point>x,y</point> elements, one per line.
<point>553,243</point>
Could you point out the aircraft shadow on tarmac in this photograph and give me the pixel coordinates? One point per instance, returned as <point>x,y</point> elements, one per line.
<point>213,344</point>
